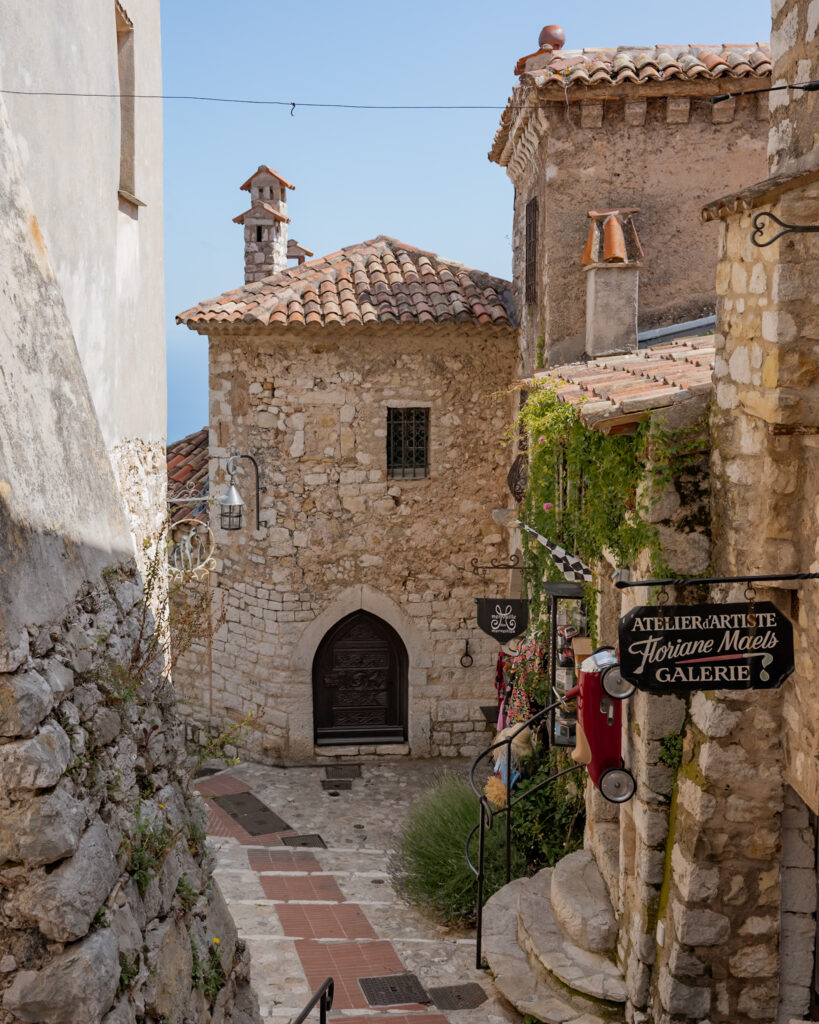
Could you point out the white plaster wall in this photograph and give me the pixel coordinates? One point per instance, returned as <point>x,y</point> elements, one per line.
<point>107,255</point>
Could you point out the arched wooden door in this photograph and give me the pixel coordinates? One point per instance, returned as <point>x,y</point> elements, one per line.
<point>360,683</point>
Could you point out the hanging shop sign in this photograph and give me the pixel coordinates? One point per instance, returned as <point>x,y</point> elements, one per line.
<point>681,648</point>
<point>503,618</point>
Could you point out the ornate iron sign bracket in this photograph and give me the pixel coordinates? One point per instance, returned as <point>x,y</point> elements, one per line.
<point>495,566</point>
<point>761,222</point>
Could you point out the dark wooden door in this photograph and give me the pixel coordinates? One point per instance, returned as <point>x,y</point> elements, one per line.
<point>360,683</point>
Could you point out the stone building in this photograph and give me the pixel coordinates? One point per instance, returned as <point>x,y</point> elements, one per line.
<point>368,386</point>
<point>704,885</point>
<point>98,839</point>
<point>626,128</point>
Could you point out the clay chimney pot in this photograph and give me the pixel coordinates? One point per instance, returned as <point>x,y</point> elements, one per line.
<point>614,242</point>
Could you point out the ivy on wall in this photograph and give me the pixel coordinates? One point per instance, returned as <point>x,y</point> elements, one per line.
<point>582,491</point>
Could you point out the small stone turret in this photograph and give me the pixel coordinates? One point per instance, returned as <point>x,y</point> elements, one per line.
<point>265,224</point>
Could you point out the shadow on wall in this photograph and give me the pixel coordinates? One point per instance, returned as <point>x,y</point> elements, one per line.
<point>106,880</point>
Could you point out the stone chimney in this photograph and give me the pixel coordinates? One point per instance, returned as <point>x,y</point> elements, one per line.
<point>612,260</point>
<point>265,224</point>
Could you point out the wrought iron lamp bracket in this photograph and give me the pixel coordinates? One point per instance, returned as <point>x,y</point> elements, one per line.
<point>761,222</point>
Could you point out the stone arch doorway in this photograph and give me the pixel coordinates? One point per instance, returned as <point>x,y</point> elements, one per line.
<point>360,674</point>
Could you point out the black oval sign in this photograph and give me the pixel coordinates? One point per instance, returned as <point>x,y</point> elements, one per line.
<point>680,648</point>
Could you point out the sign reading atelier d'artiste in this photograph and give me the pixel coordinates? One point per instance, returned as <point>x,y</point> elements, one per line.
<point>503,618</point>
<point>681,648</point>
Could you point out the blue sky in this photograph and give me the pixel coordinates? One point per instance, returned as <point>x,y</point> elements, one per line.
<point>421,176</point>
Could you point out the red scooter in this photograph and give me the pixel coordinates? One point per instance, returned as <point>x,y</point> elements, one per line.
<point>599,691</point>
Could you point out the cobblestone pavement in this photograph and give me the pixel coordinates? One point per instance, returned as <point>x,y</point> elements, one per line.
<point>310,913</point>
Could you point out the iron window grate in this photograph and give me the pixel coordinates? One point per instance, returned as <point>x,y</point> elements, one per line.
<point>407,443</point>
<point>332,784</point>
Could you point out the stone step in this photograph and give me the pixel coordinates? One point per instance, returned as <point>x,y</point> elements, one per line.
<point>543,939</point>
<point>527,987</point>
<point>581,903</point>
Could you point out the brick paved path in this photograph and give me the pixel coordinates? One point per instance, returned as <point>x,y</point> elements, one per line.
<point>308,914</point>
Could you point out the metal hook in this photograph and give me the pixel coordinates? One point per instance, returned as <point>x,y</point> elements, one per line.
<point>750,594</point>
<point>662,597</point>
<point>292,109</point>
<point>467,660</point>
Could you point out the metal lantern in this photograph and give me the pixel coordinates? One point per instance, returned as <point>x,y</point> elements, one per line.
<point>230,508</point>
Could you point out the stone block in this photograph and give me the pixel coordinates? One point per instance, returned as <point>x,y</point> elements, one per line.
<point>699,804</point>
<point>712,716</point>
<point>758,961</point>
<point>681,963</point>
<point>699,927</point>
<point>695,881</point>
<point>170,961</point>
<point>683,1000</point>
<point>42,830</point>
<point>60,678</point>
<point>25,700</point>
<point>798,891</point>
<point>35,763</point>
<point>78,985</point>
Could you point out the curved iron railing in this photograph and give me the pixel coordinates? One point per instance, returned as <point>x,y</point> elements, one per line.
<point>324,997</point>
<point>488,814</point>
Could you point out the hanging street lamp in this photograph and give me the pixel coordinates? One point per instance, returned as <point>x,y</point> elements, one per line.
<point>231,503</point>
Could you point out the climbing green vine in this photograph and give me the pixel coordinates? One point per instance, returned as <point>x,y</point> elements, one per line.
<point>582,489</point>
<point>587,490</point>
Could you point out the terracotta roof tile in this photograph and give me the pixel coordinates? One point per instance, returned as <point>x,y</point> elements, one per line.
<point>633,384</point>
<point>379,281</point>
<point>557,71</point>
<point>188,473</point>
<point>640,64</point>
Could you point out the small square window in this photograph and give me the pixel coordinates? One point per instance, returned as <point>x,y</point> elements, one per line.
<point>407,443</point>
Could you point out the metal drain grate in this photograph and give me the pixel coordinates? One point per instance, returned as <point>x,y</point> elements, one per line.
<point>343,771</point>
<point>393,990</point>
<point>336,783</point>
<point>313,839</point>
<point>248,811</point>
<point>458,997</point>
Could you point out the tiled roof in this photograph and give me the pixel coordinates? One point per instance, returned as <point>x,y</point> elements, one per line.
<point>646,64</point>
<point>376,282</point>
<point>188,473</point>
<point>760,194</point>
<point>554,72</point>
<point>264,169</point>
<point>267,208</point>
<point>612,391</point>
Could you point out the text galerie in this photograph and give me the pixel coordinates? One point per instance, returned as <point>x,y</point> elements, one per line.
<point>693,659</point>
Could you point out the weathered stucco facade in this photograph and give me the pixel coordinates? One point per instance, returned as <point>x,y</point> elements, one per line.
<point>310,403</point>
<point>577,141</point>
<point>107,907</point>
<point>103,225</point>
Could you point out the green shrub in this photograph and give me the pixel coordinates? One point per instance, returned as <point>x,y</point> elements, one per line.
<point>430,868</point>
<point>549,824</point>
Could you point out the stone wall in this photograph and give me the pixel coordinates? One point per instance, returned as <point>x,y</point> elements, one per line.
<point>664,155</point>
<point>109,911</point>
<point>96,921</point>
<point>312,408</point>
<point>795,50</point>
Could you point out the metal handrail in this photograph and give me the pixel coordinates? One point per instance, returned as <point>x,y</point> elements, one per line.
<point>324,994</point>
<point>488,814</point>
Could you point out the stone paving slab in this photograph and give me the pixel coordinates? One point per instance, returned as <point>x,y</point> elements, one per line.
<point>342,895</point>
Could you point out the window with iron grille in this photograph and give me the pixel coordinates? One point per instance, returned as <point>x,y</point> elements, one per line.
<point>531,252</point>
<point>407,443</point>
